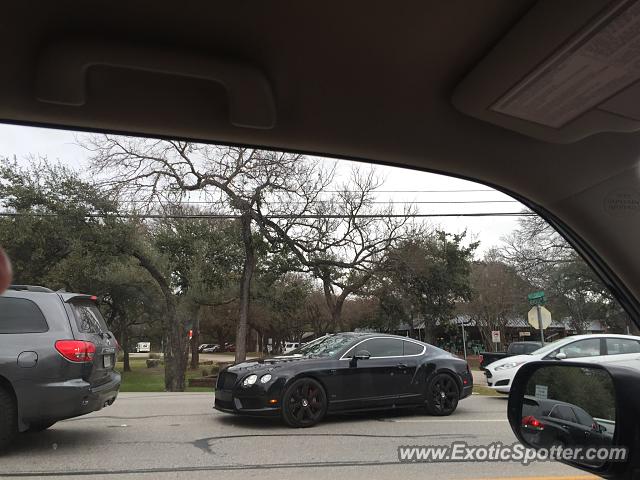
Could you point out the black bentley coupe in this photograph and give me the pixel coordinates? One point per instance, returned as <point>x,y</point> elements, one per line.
<point>345,372</point>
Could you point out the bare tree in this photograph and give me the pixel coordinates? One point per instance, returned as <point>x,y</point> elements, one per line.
<point>152,173</point>
<point>342,240</point>
<point>499,295</point>
<point>535,249</point>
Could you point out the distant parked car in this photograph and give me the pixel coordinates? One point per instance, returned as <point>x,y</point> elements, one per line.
<point>143,347</point>
<point>290,346</point>
<point>229,347</point>
<point>57,359</point>
<point>209,348</point>
<point>515,348</point>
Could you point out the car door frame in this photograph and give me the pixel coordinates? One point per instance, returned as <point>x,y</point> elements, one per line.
<point>381,381</point>
<point>551,355</point>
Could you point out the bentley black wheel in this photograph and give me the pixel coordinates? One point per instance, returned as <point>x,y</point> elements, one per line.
<point>442,395</point>
<point>304,403</point>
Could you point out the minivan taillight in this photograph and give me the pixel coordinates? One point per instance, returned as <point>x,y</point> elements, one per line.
<point>76,350</point>
<point>531,422</point>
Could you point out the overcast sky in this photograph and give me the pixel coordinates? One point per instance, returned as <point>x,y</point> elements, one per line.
<point>401,185</point>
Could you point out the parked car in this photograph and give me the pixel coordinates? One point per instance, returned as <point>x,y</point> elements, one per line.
<point>143,347</point>
<point>515,348</point>
<point>290,346</point>
<point>548,422</point>
<point>209,348</point>
<point>229,347</point>
<point>345,372</point>
<point>621,350</point>
<point>66,338</point>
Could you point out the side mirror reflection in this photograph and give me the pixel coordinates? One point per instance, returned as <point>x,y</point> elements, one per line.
<point>567,406</point>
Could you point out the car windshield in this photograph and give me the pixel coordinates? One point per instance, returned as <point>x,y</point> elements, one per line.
<point>549,347</point>
<point>325,347</point>
<point>212,264</point>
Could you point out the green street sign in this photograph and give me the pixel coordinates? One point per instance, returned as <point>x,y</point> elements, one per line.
<point>535,296</point>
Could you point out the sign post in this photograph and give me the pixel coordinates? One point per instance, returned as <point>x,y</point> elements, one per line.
<point>540,323</point>
<point>495,338</point>
<point>464,338</point>
<point>539,317</point>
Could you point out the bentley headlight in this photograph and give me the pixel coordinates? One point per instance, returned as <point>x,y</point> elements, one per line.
<point>250,380</point>
<point>265,378</point>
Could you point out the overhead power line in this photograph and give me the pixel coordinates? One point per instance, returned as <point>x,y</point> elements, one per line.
<point>203,202</point>
<point>280,217</point>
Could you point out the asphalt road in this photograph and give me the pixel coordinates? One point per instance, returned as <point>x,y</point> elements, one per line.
<point>169,435</point>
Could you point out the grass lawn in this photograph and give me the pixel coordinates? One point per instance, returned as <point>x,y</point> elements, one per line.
<point>143,379</point>
<point>483,390</point>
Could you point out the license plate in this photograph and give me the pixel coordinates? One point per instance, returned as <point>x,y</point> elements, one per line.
<point>108,361</point>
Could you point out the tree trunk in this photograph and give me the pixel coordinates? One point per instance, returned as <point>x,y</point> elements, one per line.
<point>124,344</point>
<point>336,317</point>
<point>245,287</point>
<point>175,345</point>
<point>195,340</point>
<point>429,327</point>
<point>334,303</point>
<point>175,355</point>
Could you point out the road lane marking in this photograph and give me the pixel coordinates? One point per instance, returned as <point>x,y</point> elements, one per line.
<point>442,420</point>
<point>567,477</point>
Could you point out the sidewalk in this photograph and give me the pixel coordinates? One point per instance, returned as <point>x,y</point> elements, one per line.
<point>478,377</point>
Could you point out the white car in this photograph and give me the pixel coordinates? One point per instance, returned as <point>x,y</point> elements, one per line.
<point>290,346</point>
<point>623,350</point>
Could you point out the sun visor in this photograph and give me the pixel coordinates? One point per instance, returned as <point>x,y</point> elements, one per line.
<point>561,74</point>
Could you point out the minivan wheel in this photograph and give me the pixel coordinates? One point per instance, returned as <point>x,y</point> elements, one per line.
<point>442,395</point>
<point>8,418</point>
<point>304,403</point>
<point>39,426</point>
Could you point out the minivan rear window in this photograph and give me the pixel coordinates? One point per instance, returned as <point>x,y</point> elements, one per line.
<point>20,315</point>
<point>88,317</point>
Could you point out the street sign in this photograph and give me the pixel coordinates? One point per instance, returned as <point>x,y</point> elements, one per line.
<point>542,392</point>
<point>545,316</point>
<point>525,334</point>
<point>535,295</point>
<point>536,298</point>
<point>495,336</point>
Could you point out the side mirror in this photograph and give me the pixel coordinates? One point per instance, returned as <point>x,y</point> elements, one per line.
<point>554,407</point>
<point>560,356</point>
<point>362,355</point>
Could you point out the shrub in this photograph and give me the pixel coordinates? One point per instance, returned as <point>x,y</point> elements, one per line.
<point>153,362</point>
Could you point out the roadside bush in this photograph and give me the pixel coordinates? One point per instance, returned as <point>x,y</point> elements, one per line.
<point>205,372</point>
<point>153,362</point>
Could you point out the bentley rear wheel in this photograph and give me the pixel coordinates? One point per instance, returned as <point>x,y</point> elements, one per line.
<point>304,403</point>
<point>442,395</point>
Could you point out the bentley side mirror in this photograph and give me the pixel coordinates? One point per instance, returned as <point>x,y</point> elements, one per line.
<point>586,413</point>
<point>560,356</point>
<point>362,355</point>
